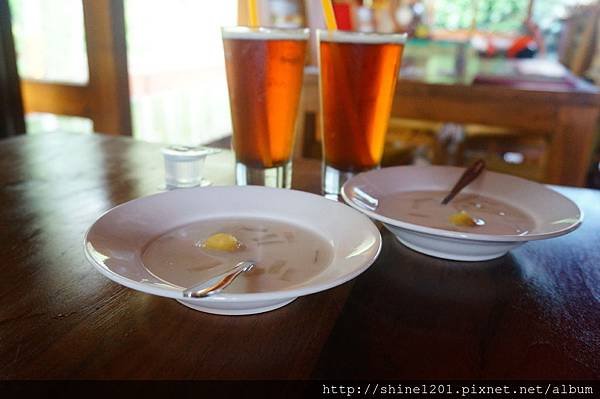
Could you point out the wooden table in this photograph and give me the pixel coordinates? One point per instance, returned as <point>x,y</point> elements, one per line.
<point>531,314</point>
<point>568,118</point>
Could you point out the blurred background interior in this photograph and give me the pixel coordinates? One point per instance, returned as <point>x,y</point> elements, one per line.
<point>155,70</point>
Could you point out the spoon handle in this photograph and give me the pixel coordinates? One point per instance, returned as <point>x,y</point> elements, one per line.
<point>467,177</point>
<point>219,283</point>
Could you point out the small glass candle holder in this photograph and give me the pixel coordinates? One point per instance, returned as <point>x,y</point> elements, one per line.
<point>184,166</point>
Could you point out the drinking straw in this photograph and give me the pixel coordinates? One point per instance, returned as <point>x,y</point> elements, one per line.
<point>252,14</point>
<point>329,15</point>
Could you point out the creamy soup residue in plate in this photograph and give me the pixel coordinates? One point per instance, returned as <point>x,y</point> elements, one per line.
<point>423,208</point>
<point>286,254</point>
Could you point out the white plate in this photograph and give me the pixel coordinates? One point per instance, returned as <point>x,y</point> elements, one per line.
<point>553,214</point>
<point>115,242</point>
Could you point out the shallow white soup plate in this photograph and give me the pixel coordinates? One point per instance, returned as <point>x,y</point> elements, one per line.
<point>115,242</point>
<point>553,214</point>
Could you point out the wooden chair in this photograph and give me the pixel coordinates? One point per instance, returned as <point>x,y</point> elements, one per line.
<point>578,38</point>
<point>105,98</point>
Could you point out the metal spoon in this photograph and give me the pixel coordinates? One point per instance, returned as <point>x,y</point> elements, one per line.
<point>218,283</point>
<point>467,177</point>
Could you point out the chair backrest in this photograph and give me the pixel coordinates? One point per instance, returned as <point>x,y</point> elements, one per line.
<point>105,97</point>
<point>578,38</point>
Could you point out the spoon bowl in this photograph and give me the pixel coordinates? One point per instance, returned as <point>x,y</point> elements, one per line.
<point>218,283</point>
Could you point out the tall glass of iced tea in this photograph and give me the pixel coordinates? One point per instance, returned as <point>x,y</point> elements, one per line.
<point>357,79</point>
<point>265,68</point>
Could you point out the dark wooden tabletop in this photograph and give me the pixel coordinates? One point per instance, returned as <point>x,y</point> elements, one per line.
<point>534,313</point>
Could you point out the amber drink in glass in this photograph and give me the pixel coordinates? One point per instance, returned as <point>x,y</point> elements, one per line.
<point>265,68</point>
<point>357,80</point>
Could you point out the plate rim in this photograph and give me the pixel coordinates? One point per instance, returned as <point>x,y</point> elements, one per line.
<point>175,293</point>
<point>462,235</point>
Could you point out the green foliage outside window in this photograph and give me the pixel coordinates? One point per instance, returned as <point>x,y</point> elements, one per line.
<point>492,15</point>
<point>504,16</point>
